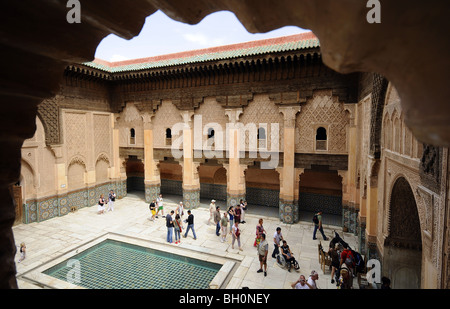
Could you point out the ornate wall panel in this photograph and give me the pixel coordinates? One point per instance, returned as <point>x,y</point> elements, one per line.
<point>165,117</point>
<point>75,133</point>
<point>212,112</point>
<point>261,110</point>
<point>102,134</point>
<point>323,110</point>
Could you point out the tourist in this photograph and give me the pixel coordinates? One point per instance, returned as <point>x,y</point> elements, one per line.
<point>178,228</point>
<point>317,219</point>
<point>345,279</point>
<point>223,226</point>
<point>190,224</point>
<point>217,220</point>
<point>180,209</point>
<point>237,213</point>
<point>348,258</point>
<point>312,279</point>
<point>231,217</point>
<point>277,237</point>
<point>159,202</point>
<point>23,250</point>
<point>243,206</point>
<point>111,198</point>
<point>152,208</point>
<point>236,235</point>
<point>259,231</point>
<point>263,249</point>
<point>334,254</point>
<point>212,209</point>
<point>101,205</point>
<point>301,284</point>
<point>169,225</point>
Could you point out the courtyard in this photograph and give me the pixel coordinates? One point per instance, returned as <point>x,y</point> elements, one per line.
<point>49,240</point>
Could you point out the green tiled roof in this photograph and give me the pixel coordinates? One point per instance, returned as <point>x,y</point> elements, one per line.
<point>206,55</point>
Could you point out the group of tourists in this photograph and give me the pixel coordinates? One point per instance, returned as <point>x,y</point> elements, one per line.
<point>234,216</point>
<point>102,202</point>
<point>227,222</point>
<point>174,220</point>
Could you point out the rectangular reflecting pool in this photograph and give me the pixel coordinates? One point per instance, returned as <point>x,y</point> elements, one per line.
<point>112,264</point>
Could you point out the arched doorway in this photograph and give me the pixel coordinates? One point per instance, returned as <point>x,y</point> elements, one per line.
<point>213,181</point>
<point>262,186</point>
<point>135,175</point>
<point>171,174</point>
<point>320,189</point>
<point>402,258</point>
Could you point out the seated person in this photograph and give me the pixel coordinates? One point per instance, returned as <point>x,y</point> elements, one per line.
<point>287,254</point>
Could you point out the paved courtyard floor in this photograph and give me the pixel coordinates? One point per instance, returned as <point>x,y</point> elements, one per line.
<point>50,239</point>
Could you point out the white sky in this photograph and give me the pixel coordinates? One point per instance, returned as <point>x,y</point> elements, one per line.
<point>161,35</point>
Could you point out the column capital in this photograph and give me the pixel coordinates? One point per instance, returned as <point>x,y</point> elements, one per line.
<point>289,113</point>
<point>58,152</point>
<point>147,119</point>
<point>233,114</point>
<point>351,108</point>
<point>187,116</point>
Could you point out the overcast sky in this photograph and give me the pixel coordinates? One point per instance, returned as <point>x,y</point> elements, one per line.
<point>162,35</point>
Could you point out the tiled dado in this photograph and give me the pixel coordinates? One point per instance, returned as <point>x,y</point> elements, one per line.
<point>37,210</point>
<point>234,199</point>
<point>152,192</point>
<point>191,198</point>
<point>288,211</point>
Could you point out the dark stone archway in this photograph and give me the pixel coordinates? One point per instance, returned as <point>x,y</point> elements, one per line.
<point>402,258</point>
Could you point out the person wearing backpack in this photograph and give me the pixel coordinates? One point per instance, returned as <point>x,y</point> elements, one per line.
<point>348,260</point>
<point>317,219</point>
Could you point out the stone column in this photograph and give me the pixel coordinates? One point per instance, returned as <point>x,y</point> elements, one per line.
<point>116,173</point>
<point>191,181</point>
<point>288,209</point>
<point>235,170</point>
<point>61,178</point>
<point>372,208</point>
<point>350,199</point>
<point>236,183</point>
<point>152,180</point>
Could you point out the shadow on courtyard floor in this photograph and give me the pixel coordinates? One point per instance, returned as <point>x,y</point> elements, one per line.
<point>305,216</point>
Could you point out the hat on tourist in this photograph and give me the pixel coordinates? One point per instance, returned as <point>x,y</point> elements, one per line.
<point>213,201</point>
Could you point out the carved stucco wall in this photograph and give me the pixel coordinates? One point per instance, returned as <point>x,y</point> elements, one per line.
<point>87,139</point>
<point>38,165</point>
<point>165,117</point>
<point>362,145</point>
<point>401,158</point>
<point>128,119</point>
<point>261,110</point>
<point>213,113</point>
<point>322,110</point>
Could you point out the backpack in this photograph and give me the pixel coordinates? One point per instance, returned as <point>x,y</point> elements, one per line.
<point>358,261</point>
<point>315,219</point>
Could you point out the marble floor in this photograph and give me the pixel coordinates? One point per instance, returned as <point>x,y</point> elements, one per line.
<point>50,239</point>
